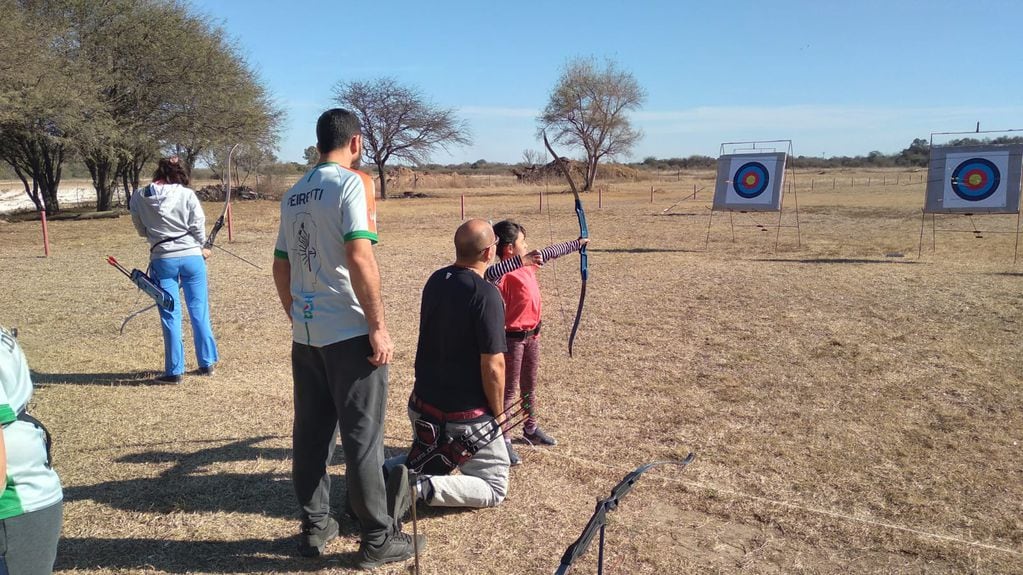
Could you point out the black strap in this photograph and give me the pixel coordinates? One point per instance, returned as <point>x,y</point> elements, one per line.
<point>165,240</point>
<point>24,416</point>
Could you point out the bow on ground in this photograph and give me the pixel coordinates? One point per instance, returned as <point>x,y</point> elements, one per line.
<point>599,519</point>
<point>584,271</point>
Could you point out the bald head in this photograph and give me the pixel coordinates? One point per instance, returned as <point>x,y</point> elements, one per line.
<point>471,239</point>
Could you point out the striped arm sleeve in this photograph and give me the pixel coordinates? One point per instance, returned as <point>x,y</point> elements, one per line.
<point>502,267</point>
<point>557,250</point>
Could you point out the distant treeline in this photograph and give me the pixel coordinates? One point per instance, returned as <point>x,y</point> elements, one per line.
<point>915,155</point>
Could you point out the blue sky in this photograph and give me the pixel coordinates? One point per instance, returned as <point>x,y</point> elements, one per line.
<point>837,78</point>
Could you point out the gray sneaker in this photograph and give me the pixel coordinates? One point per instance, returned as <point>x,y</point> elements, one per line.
<point>397,547</point>
<point>399,496</point>
<point>539,437</point>
<point>312,540</point>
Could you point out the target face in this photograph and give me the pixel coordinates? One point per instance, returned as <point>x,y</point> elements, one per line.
<point>750,181</point>
<point>975,179</point>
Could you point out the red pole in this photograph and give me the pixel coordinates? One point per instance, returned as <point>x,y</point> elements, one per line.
<point>229,235</point>
<point>463,206</point>
<point>46,234</point>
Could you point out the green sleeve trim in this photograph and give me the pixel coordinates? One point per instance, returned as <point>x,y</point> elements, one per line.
<point>361,235</point>
<point>10,503</point>
<point>280,254</point>
<point>7,414</point>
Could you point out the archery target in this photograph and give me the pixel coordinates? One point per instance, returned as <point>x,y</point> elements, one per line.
<point>750,182</point>
<point>974,179</point>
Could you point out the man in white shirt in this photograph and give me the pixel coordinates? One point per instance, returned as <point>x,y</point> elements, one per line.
<point>329,284</point>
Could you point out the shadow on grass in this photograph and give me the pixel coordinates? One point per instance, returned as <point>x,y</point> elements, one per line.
<point>191,556</point>
<point>131,378</point>
<point>188,485</point>
<point>820,261</point>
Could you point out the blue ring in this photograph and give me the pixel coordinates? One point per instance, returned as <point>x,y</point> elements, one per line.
<point>740,175</point>
<point>994,177</point>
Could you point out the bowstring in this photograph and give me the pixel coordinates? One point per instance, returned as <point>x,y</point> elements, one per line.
<point>550,228</point>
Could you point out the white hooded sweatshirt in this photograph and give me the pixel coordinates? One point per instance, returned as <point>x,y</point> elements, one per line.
<point>170,217</point>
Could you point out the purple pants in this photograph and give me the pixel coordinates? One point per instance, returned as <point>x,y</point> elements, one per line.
<point>521,362</point>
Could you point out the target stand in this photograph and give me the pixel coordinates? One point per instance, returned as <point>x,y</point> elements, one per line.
<point>751,181</point>
<point>972,180</point>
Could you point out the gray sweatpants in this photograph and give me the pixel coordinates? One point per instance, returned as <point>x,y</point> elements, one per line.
<point>483,481</point>
<point>28,543</point>
<point>336,388</point>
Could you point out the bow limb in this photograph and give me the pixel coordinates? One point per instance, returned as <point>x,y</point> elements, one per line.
<point>212,236</point>
<point>599,518</point>
<point>584,271</point>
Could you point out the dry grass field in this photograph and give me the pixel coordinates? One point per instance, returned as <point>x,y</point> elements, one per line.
<point>851,410</point>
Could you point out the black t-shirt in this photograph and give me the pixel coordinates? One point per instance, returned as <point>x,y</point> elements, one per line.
<point>462,316</point>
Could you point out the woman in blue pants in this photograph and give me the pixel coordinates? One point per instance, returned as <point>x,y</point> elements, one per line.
<point>168,214</point>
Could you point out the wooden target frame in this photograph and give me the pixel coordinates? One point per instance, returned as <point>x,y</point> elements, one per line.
<point>972,180</point>
<point>757,192</point>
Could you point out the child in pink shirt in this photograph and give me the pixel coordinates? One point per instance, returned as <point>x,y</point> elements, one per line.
<point>522,309</point>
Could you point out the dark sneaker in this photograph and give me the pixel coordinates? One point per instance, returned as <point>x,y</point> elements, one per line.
<point>539,437</point>
<point>312,540</point>
<point>512,456</point>
<point>168,379</point>
<point>208,370</point>
<point>397,547</point>
<point>399,497</point>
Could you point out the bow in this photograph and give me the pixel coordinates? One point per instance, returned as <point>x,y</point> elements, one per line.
<point>599,518</point>
<point>212,236</point>
<point>584,271</point>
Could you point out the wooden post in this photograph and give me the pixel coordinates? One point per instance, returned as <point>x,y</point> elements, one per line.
<point>463,206</point>
<point>600,198</point>
<point>541,201</point>
<point>834,182</point>
<point>46,233</point>
<point>651,194</point>
<point>811,184</point>
<point>694,190</point>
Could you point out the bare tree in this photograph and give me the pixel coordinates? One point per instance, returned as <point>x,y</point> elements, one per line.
<point>589,109</point>
<point>398,123</point>
<point>532,157</point>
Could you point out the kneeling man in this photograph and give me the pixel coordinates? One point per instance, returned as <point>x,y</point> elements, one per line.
<point>459,370</point>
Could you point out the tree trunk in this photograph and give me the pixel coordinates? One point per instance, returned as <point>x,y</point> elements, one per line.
<point>32,191</point>
<point>591,174</point>
<point>382,174</point>
<point>103,174</point>
<point>52,160</point>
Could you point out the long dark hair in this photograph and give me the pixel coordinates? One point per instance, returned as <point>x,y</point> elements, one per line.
<point>171,170</point>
